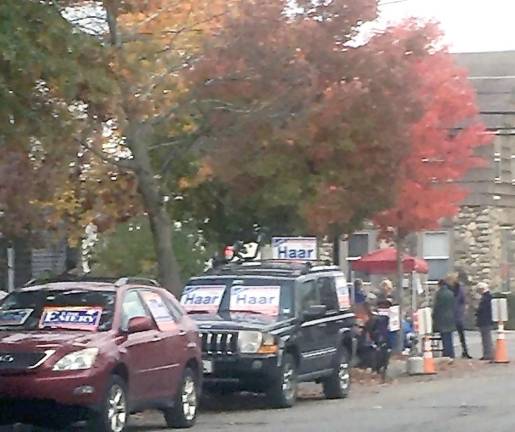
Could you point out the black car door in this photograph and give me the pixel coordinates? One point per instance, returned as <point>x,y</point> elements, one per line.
<point>329,327</point>
<point>311,343</point>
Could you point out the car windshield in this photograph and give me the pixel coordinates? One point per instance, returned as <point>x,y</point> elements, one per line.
<point>71,309</point>
<point>271,297</point>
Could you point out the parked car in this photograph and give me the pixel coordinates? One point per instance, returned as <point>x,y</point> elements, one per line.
<point>266,326</point>
<point>97,351</point>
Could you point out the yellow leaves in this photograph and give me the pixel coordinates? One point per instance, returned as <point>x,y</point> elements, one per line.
<point>204,173</point>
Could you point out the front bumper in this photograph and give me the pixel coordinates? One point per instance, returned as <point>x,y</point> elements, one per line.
<point>246,372</point>
<point>84,388</point>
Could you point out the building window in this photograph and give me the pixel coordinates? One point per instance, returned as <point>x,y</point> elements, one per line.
<point>436,253</point>
<point>497,160</point>
<point>512,169</point>
<point>358,246</point>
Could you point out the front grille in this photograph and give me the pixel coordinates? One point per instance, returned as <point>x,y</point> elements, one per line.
<point>219,343</point>
<point>10,361</point>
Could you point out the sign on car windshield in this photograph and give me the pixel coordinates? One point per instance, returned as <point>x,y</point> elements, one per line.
<point>74,318</point>
<point>260,299</point>
<point>14,317</point>
<point>343,292</point>
<point>202,298</point>
<point>294,248</point>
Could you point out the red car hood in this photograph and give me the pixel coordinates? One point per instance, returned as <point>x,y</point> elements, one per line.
<point>42,340</point>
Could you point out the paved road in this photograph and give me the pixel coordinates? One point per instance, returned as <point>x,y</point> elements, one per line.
<point>478,400</point>
<point>470,397</point>
<point>478,403</point>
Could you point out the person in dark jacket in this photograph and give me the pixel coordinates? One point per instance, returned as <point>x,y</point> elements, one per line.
<point>484,320</point>
<point>459,312</point>
<point>443,317</point>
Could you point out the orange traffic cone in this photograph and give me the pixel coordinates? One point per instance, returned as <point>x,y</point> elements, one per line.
<point>429,362</point>
<point>501,350</point>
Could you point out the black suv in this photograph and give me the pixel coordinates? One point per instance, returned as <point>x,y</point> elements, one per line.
<point>268,325</point>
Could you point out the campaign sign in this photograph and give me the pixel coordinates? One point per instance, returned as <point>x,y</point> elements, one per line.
<point>14,317</point>
<point>202,297</point>
<point>343,292</point>
<point>294,248</point>
<point>159,311</point>
<point>74,317</point>
<point>261,299</point>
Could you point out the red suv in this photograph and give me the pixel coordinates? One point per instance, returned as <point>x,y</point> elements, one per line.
<point>97,351</point>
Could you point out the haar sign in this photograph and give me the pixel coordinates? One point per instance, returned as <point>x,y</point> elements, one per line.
<point>294,248</point>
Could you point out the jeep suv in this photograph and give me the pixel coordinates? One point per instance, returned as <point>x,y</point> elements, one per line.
<point>96,351</point>
<point>266,326</point>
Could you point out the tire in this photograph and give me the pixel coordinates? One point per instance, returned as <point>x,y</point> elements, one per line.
<point>283,392</point>
<point>183,414</point>
<point>337,385</point>
<point>114,411</point>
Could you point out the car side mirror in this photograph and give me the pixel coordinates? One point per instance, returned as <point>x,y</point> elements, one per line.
<point>140,324</point>
<point>314,312</point>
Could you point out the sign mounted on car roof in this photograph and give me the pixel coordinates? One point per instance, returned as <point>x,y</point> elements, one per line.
<point>295,248</point>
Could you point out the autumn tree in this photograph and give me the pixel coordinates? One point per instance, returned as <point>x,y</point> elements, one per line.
<point>145,46</point>
<point>47,73</point>
<point>298,117</point>
<point>441,151</point>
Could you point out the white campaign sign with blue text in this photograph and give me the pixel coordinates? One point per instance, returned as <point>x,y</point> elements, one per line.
<point>295,248</point>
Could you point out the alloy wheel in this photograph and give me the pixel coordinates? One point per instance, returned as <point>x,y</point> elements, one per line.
<point>189,399</point>
<point>344,375</point>
<point>117,409</point>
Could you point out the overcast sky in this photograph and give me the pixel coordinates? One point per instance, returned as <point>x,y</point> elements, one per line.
<point>469,25</point>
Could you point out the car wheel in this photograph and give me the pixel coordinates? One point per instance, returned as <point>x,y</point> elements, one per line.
<point>337,385</point>
<point>114,412</point>
<point>183,414</point>
<point>283,392</point>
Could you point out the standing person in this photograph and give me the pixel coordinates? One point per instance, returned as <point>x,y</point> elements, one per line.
<point>443,317</point>
<point>459,311</point>
<point>385,294</point>
<point>484,320</point>
<point>359,293</point>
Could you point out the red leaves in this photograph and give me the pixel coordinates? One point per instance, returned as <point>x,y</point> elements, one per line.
<point>441,148</point>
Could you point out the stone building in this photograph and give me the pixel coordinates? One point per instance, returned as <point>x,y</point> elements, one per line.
<point>481,239</point>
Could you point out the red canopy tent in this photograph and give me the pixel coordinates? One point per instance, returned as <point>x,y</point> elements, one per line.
<point>384,261</point>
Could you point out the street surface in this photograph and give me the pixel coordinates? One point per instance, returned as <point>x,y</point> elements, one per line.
<point>474,397</point>
<point>466,397</point>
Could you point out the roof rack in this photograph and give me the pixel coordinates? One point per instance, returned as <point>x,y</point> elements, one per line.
<point>276,266</point>
<point>69,278</point>
<point>136,280</point>
<point>100,279</point>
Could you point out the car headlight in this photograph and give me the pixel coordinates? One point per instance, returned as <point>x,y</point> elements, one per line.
<point>83,359</point>
<point>249,342</point>
<point>254,342</point>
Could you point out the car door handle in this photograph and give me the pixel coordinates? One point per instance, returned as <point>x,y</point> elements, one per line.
<point>156,339</point>
<point>182,332</point>
<point>322,325</point>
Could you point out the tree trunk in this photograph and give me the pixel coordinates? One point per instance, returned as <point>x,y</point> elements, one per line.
<point>154,202</point>
<point>399,245</point>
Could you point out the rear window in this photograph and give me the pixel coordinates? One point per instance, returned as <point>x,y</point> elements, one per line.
<point>265,296</point>
<point>58,309</point>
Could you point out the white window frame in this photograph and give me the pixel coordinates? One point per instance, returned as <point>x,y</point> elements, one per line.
<point>497,159</point>
<point>350,259</point>
<point>437,257</point>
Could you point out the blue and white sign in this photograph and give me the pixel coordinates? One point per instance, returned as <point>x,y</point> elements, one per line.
<point>14,317</point>
<point>295,248</point>
<point>202,297</point>
<point>74,317</point>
